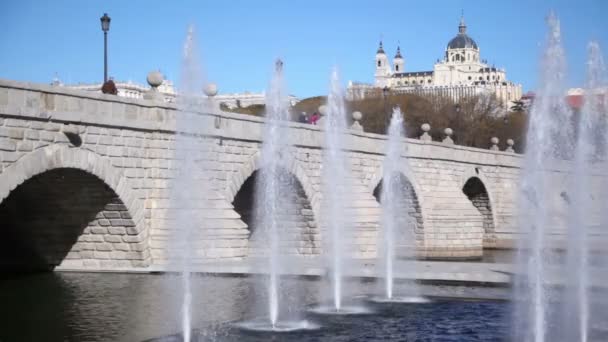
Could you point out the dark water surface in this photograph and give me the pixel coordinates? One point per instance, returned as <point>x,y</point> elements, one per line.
<point>140,307</point>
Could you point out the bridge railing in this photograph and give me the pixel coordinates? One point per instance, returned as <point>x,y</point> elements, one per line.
<point>39,102</point>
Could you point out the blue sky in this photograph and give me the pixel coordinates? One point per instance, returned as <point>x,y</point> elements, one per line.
<point>239,40</point>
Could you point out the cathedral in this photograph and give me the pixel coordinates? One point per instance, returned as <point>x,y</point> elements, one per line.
<point>460,73</point>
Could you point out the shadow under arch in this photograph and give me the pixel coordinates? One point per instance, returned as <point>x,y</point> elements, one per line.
<point>299,234</point>
<point>289,164</point>
<point>411,180</point>
<point>52,202</point>
<point>410,234</point>
<point>475,190</point>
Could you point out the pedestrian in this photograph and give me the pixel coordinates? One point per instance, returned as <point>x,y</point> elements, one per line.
<point>314,118</point>
<point>109,87</point>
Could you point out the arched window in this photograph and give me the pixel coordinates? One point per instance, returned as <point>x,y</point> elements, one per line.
<point>379,64</point>
<point>397,67</point>
<point>406,82</point>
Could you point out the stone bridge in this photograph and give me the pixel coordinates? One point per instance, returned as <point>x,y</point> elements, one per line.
<point>85,183</point>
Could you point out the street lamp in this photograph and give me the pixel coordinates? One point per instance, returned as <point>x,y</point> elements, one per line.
<point>105,27</point>
<point>385,91</point>
<point>458,125</point>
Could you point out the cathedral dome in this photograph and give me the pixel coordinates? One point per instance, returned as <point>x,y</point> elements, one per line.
<point>462,40</point>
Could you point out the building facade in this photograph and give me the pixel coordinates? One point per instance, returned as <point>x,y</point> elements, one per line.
<point>168,91</point>
<point>460,73</point>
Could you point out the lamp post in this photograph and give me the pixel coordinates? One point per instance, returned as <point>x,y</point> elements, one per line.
<point>459,126</point>
<point>105,27</point>
<point>387,119</point>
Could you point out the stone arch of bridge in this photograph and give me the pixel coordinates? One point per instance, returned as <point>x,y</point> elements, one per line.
<point>411,179</point>
<point>407,241</point>
<point>298,215</point>
<point>288,163</point>
<point>75,182</point>
<point>476,187</point>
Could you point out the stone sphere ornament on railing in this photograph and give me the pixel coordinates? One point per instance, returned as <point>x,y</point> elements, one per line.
<point>510,144</point>
<point>357,116</point>
<point>448,136</point>
<point>322,110</point>
<point>425,136</point>
<point>322,114</point>
<point>494,141</point>
<point>155,79</point>
<point>210,89</point>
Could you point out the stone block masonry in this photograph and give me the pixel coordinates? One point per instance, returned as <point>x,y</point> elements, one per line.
<point>85,183</point>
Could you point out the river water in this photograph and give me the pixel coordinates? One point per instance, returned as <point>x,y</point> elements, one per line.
<point>139,307</point>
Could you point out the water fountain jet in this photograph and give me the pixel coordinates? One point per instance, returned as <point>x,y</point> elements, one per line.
<point>591,133</point>
<point>336,175</point>
<point>396,203</point>
<point>185,202</point>
<point>548,146</point>
<point>269,200</point>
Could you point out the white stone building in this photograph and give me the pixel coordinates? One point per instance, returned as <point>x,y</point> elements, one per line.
<point>129,89</point>
<point>460,73</point>
<point>137,91</point>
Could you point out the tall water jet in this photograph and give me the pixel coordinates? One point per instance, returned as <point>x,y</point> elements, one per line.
<point>589,149</point>
<point>273,205</point>
<point>397,200</point>
<point>269,186</point>
<point>336,177</point>
<point>186,186</point>
<point>549,141</point>
<point>391,183</point>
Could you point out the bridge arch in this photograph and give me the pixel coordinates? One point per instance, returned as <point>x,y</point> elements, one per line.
<point>290,164</point>
<point>90,216</point>
<point>410,177</point>
<point>476,187</point>
<point>301,233</point>
<point>410,204</point>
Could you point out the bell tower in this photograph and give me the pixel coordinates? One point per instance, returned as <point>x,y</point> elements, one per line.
<point>383,68</point>
<point>398,62</point>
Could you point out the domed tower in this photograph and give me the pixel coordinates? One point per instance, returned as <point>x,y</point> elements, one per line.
<point>462,48</point>
<point>383,68</point>
<point>398,62</point>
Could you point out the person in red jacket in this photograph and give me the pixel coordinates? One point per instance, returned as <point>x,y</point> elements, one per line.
<point>109,87</point>
<point>314,118</point>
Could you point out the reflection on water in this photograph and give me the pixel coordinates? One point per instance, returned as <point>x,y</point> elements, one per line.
<point>138,307</point>
<point>109,307</point>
